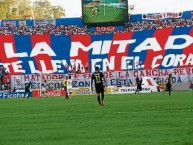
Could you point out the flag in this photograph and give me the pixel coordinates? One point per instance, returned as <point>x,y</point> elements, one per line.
<point>191,14</point>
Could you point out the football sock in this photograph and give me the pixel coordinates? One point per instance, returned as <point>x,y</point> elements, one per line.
<point>99,100</point>
<point>102,95</point>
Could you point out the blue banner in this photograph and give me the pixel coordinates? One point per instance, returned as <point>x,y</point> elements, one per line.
<point>13,95</point>
<point>153,49</point>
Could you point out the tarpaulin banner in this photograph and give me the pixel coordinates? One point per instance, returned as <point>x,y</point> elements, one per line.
<point>11,23</point>
<point>20,81</point>
<point>180,77</point>
<point>124,90</point>
<point>154,49</point>
<point>13,95</point>
<point>159,16</point>
<point>40,22</point>
<point>50,93</point>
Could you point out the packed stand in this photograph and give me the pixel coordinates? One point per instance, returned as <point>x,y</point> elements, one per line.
<point>47,29</point>
<point>159,24</point>
<point>75,29</point>
<point>5,79</point>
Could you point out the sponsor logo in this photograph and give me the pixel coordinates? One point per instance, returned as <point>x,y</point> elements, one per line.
<point>133,90</point>
<point>12,95</point>
<point>128,90</point>
<point>54,93</point>
<point>83,91</point>
<point>115,89</point>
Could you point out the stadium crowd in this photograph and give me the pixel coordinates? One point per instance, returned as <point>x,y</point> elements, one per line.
<point>44,29</point>
<point>5,79</point>
<point>75,29</point>
<point>158,24</point>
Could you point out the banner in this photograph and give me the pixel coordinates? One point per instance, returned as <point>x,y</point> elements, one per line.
<point>125,90</point>
<point>40,22</point>
<point>50,93</point>
<point>10,23</point>
<point>13,95</point>
<point>104,29</point>
<point>160,16</point>
<point>81,91</point>
<point>191,14</point>
<point>22,24</point>
<point>180,79</point>
<point>87,91</point>
<point>53,81</point>
<point>34,93</point>
<point>156,49</point>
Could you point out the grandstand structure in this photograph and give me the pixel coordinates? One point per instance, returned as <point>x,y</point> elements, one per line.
<point>66,46</point>
<point>70,26</point>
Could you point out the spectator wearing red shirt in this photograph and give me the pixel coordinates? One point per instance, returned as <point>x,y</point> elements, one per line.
<point>78,68</point>
<point>86,67</point>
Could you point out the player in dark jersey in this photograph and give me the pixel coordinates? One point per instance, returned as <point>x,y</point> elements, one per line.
<point>139,85</point>
<point>169,84</point>
<point>27,90</point>
<point>98,79</point>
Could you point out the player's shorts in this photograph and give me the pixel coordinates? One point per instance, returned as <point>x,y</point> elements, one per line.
<point>65,88</point>
<point>43,89</point>
<point>168,85</point>
<point>99,89</point>
<point>27,90</point>
<point>69,89</point>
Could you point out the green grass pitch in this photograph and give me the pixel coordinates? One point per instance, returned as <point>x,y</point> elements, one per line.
<point>111,14</point>
<point>142,119</point>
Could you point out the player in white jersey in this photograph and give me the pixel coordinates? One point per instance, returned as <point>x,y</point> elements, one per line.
<point>69,87</point>
<point>43,86</point>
